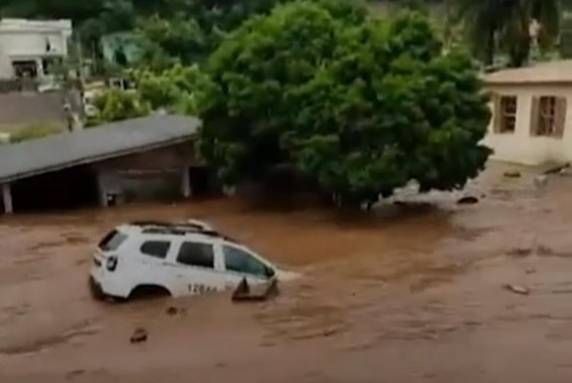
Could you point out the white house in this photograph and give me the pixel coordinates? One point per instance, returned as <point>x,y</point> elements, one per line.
<point>532,120</point>
<point>30,47</point>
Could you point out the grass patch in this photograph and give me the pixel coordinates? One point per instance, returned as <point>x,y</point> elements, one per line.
<point>34,131</point>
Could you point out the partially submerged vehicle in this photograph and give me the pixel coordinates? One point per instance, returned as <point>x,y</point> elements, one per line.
<point>174,258</point>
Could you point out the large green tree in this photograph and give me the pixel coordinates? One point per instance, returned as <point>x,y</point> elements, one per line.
<point>180,89</point>
<point>115,105</point>
<point>177,39</point>
<point>504,25</point>
<point>362,106</point>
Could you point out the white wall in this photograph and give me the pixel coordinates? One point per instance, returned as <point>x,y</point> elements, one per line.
<point>6,70</point>
<point>520,146</point>
<point>25,44</point>
<point>25,40</point>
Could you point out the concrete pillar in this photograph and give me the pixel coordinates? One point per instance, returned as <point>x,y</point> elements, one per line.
<point>7,199</point>
<point>186,190</point>
<point>40,67</point>
<point>101,191</point>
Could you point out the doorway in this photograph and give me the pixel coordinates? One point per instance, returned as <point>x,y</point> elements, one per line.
<point>69,188</point>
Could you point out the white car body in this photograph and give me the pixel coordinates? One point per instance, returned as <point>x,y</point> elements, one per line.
<point>182,259</point>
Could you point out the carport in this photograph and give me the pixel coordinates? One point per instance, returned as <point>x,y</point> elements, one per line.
<point>149,157</point>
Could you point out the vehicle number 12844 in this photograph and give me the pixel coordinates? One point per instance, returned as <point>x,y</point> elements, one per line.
<point>197,288</point>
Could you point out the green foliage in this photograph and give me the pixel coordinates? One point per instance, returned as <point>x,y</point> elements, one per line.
<point>170,31</point>
<point>34,131</point>
<point>70,9</point>
<point>363,106</point>
<point>505,26</point>
<point>193,29</point>
<point>177,39</point>
<point>226,15</point>
<point>179,89</point>
<point>116,105</point>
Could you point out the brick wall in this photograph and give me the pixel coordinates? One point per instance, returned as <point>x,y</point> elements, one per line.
<point>156,174</point>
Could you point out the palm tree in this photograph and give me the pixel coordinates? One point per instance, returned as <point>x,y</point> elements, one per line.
<point>505,25</point>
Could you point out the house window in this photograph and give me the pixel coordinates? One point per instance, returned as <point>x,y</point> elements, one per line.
<point>25,69</point>
<point>505,108</point>
<point>508,114</point>
<point>548,116</point>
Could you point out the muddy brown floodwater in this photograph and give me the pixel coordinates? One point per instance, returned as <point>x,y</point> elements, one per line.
<point>410,293</point>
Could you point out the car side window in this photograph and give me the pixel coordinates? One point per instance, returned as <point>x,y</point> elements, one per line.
<point>240,261</point>
<point>157,249</point>
<point>196,254</point>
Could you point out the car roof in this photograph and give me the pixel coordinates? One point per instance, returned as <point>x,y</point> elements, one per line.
<point>170,229</point>
<point>192,230</point>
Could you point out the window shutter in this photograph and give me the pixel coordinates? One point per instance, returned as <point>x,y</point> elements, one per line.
<point>497,113</point>
<point>560,117</point>
<point>534,116</point>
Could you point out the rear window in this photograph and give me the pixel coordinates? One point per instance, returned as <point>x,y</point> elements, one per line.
<point>157,249</point>
<point>112,241</point>
<point>196,254</point>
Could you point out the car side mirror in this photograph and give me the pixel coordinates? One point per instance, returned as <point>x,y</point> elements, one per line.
<point>269,271</point>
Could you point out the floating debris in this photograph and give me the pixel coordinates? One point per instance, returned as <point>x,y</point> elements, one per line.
<point>139,335</point>
<point>517,289</point>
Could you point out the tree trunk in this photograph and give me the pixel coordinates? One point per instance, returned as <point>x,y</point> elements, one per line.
<point>490,48</point>
<point>519,53</point>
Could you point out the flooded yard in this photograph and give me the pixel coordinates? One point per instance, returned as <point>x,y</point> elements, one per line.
<point>413,292</point>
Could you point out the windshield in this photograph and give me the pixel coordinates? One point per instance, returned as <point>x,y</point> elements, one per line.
<point>112,241</point>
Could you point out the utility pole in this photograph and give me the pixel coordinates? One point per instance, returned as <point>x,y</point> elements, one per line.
<point>75,86</point>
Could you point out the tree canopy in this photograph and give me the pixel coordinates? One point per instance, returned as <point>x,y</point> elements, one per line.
<point>361,105</point>
<point>495,26</point>
<point>180,89</point>
<point>170,31</point>
<point>115,105</point>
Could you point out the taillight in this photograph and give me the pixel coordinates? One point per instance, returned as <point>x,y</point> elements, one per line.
<point>111,263</point>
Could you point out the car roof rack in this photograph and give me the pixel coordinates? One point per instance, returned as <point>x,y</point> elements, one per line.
<point>182,228</point>
<point>167,224</point>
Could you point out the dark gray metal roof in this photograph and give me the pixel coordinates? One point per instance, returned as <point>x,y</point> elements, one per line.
<point>64,150</point>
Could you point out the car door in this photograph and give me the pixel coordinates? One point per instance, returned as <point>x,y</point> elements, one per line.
<point>151,268</point>
<point>197,268</point>
<point>240,263</point>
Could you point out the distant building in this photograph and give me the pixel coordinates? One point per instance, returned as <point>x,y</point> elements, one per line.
<point>532,117</point>
<point>30,48</point>
<point>141,159</point>
<point>122,48</point>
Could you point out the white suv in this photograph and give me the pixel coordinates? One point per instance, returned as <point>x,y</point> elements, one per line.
<point>179,259</point>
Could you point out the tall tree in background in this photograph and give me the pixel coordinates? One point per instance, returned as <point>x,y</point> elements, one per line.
<point>183,31</point>
<point>187,31</point>
<point>78,11</point>
<point>178,39</point>
<point>504,25</point>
